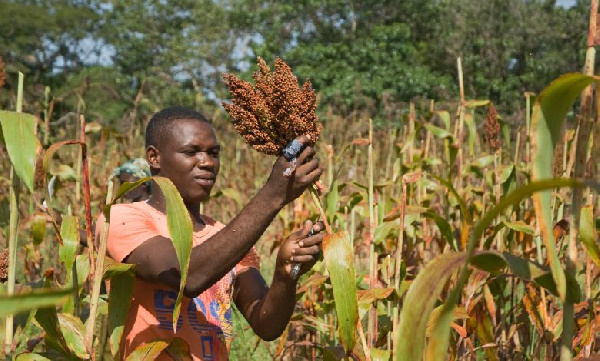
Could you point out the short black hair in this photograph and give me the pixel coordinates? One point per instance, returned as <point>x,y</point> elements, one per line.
<point>162,121</point>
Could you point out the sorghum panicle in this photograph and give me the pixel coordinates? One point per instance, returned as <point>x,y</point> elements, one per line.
<point>492,128</point>
<point>275,110</point>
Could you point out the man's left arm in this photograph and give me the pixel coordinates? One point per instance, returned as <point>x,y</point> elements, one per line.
<point>269,309</point>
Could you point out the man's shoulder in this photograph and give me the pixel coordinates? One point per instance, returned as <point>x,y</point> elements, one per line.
<point>135,210</point>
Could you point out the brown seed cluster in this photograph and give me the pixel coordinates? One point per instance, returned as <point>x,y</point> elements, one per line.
<point>557,162</point>
<point>2,74</point>
<point>492,128</point>
<point>275,110</point>
<point>4,265</point>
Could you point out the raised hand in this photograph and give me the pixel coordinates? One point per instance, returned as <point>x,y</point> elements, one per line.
<point>285,189</point>
<point>300,247</point>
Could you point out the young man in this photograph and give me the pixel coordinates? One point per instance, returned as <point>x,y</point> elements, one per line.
<point>182,146</point>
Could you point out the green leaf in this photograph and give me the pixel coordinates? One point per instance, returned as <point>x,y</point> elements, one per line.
<point>549,112</point>
<point>445,117</point>
<point>494,261</point>
<point>508,178</point>
<point>520,226</point>
<point>48,319</point>
<point>119,301</point>
<point>440,335</point>
<point>45,159</point>
<point>92,127</point>
<point>476,103</point>
<point>438,132</point>
<point>21,143</point>
<point>339,259</point>
<point>384,230</point>
<point>179,225</point>
<point>380,355</point>
<point>333,353</point>
<point>461,202</point>
<point>369,296</point>
<point>444,227</point>
<point>124,188</point>
<point>419,302</point>
<point>82,267</point>
<point>179,350</point>
<point>30,357</point>
<point>588,234</point>
<point>483,162</point>
<point>112,268</point>
<point>64,172</point>
<point>32,300</point>
<point>181,233</point>
<point>331,200</point>
<point>73,331</point>
<point>148,351</point>
<point>69,232</point>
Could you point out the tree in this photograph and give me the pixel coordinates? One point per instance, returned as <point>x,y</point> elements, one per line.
<point>46,39</point>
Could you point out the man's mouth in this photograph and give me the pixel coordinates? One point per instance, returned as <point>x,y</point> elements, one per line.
<point>205,180</point>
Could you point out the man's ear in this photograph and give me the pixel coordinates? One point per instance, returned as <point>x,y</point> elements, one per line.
<point>153,157</point>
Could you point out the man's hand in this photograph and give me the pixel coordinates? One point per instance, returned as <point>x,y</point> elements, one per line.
<point>282,189</point>
<point>300,247</point>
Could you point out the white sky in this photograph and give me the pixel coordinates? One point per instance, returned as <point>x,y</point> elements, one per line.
<point>565,2</point>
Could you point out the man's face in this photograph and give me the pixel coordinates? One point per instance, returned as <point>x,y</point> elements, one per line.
<point>189,157</point>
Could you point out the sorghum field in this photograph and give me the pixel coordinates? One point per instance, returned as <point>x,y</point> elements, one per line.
<point>459,232</point>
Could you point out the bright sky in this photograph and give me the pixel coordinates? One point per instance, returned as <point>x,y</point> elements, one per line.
<point>565,2</point>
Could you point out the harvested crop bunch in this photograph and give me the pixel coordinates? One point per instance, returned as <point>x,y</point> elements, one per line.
<point>275,111</point>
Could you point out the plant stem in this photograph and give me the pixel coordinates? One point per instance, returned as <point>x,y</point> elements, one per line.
<point>461,124</point>
<point>397,264</point>
<point>372,319</point>
<point>95,295</point>
<point>315,197</point>
<point>13,232</point>
<point>583,137</point>
<point>86,194</point>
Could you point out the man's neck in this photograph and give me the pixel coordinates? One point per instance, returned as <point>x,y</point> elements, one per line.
<point>158,202</point>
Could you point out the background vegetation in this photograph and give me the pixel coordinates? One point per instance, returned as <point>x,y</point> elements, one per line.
<point>430,166</point>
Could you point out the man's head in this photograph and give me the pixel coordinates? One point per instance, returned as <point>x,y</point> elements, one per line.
<point>181,145</point>
<point>132,171</point>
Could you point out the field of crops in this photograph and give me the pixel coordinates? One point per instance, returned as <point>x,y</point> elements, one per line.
<point>445,187</point>
<point>458,232</point>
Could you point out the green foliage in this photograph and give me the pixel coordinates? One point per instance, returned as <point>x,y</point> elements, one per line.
<point>180,232</point>
<point>588,233</point>
<point>548,115</point>
<point>339,258</point>
<point>31,300</point>
<point>18,130</point>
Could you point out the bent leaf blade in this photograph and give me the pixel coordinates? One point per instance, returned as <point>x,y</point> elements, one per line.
<point>181,233</point>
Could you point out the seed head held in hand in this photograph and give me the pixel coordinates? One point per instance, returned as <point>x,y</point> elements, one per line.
<point>275,110</point>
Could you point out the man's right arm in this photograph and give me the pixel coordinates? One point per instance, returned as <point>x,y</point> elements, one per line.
<point>156,261</point>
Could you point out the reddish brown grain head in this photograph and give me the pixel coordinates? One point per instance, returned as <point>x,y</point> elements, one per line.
<point>4,265</point>
<point>275,110</point>
<point>492,128</point>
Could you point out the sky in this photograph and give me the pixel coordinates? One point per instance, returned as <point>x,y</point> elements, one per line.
<point>565,2</point>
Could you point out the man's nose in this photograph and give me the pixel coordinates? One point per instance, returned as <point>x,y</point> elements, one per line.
<point>205,160</point>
